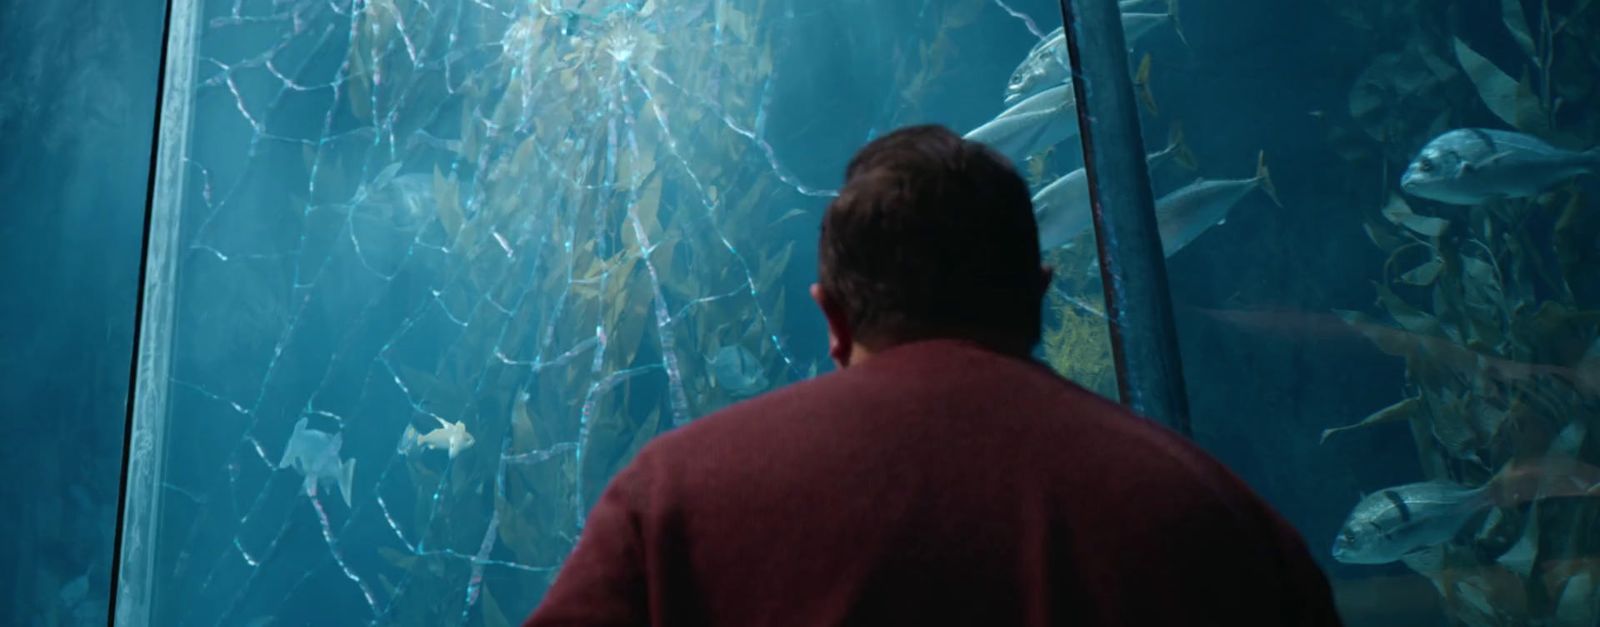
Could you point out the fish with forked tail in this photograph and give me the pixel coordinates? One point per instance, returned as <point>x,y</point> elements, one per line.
<point>1043,120</point>
<point>1186,213</point>
<point>315,454</point>
<point>1062,207</point>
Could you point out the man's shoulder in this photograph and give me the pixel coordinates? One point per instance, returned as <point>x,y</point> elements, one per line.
<point>760,416</point>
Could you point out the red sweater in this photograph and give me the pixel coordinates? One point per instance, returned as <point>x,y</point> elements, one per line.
<point>935,484</point>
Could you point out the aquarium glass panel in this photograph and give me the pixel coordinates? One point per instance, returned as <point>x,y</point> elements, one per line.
<point>76,110</point>
<point>1383,254</point>
<point>440,268</point>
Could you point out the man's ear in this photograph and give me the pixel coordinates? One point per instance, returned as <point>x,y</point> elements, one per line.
<point>840,341</point>
<point>1046,275</point>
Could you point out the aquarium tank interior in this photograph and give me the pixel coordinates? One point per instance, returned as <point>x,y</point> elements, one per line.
<point>339,312</point>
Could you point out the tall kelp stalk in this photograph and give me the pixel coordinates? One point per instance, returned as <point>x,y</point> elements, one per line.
<point>600,219</point>
<point>1494,308</point>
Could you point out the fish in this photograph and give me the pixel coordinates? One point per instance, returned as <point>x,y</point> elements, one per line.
<point>388,216</point>
<point>1393,523</point>
<point>315,454</point>
<point>1444,352</point>
<point>1177,150</point>
<point>1039,122</point>
<point>735,369</point>
<point>1046,65</point>
<point>1470,166</point>
<point>411,197</point>
<point>401,201</point>
<point>1141,85</point>
<point>449,436</point>
<point>1062,208</point>
<point>1136,25</point>
<point>1192,210</point>
<point>1389,524</point>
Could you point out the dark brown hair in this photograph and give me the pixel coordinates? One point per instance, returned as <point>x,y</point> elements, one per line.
<point>932,236</point>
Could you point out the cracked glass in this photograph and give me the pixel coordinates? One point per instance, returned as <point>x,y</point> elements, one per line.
<point>439,268</point>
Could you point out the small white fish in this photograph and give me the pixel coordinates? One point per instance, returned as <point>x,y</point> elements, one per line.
<point>505,245</point>
<point>449,436</point>
<point>1186,213</point>
<point>1062,208</point>
<point>1470,166</point>
<point>1039,122</point>
<point>315,454</point>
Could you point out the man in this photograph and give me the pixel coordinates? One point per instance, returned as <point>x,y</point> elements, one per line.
<point>941,477</point>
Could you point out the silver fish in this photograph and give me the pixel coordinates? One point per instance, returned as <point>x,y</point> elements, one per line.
<point>1046,65</point>
<point>1389,524</point>
<point>1039,122</point>
<point>1062,208</point>
<point>737,370</point>
<point>1186,213</point>
<point>1469,166</point>
<point>315,454</point>
<point>1401,523</point>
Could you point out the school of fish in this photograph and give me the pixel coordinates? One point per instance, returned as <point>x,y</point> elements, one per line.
<point>1464,166</point>
<point>1042,114</point>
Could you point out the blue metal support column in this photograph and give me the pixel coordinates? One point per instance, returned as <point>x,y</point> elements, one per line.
<point>1133,268</point>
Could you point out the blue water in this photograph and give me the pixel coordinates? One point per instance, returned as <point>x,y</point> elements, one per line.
<point>75,115</point>
<point>556,229</point>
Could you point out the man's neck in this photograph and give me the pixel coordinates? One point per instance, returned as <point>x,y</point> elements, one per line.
<point>1009,347</point>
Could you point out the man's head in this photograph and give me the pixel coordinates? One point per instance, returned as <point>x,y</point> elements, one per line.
<point>932,236</point>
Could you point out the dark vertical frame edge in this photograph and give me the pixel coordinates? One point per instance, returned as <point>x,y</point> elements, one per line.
<point>138,317</point>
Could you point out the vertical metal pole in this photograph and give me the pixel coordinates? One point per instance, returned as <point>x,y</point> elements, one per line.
<point>1133,268</point>
<point>144,436</point>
